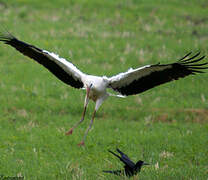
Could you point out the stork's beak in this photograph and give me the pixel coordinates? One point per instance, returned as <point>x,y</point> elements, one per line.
<point>87,95</point>
<point>88,89</point>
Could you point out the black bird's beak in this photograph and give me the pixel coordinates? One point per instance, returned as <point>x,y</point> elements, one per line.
<point>145,163</point>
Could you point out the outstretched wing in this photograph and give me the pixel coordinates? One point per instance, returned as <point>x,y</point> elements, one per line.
<point>61,68</point>
<point>138,80</point>
<point>124,158</point>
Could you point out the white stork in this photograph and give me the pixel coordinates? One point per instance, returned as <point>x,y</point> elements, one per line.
<point>131,82</point>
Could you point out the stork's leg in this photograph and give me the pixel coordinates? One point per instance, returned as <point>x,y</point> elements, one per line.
<point>83,114</point>
<point>81,120</point>
<point>97,105</point>
<point>86,132</point>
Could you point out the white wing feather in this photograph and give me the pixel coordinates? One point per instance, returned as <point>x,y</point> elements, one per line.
<point>66,65</point>
<point>126,78</point>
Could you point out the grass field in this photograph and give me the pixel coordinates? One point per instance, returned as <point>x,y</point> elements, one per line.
<point>166,126</point>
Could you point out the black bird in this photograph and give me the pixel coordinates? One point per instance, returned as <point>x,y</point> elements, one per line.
<point>130,168</point>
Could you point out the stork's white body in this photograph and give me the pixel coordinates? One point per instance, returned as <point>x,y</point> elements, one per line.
<point>99,86</point>
<point>98,92</point>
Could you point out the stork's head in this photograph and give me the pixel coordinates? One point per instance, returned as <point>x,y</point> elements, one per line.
<point>88,87</point>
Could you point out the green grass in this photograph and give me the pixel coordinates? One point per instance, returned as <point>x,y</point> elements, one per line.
<point>166,126</point>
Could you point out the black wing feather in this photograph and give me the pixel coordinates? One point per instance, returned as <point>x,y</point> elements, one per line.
<point>180,69</point>
<point>124,159</point>
<point>39,56</point>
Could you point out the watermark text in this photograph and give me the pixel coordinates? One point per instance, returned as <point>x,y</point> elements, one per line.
<point>2,177</point>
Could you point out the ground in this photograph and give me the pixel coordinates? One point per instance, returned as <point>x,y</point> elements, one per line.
<point>166,126</point>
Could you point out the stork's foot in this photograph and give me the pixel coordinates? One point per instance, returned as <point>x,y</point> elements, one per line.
<point>69,132</point>
<point>81,143</point>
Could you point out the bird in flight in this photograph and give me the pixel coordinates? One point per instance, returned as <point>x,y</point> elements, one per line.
<point>130,168</point>
<point>131,82</point>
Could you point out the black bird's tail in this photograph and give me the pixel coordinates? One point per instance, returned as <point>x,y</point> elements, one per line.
<point>116,172</point>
